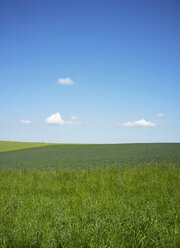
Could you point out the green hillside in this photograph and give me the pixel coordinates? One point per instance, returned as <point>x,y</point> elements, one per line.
<point>7,146</point>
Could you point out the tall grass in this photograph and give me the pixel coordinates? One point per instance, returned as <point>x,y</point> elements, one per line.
<point>137,207</point>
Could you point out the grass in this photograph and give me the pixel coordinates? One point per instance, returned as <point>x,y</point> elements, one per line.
<point>89,196</point>
<point>135,207</point>
<point>7,146</point>
<point>91,156</point>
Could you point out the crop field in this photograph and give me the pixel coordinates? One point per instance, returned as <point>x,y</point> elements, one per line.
<point>90,196</point>
<point>7,146</point>
<point>136,207</point>
<point>90,156</point>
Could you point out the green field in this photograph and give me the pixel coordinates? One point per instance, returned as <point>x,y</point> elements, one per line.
<point>91,156</point>
<point>137,207</point>
<point>7,146</point>
<point>90,196</point>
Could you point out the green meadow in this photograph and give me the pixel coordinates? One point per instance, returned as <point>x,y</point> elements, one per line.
<point>7,146</point>
<point>90,196</point>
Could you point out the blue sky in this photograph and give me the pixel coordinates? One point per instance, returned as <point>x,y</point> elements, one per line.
<point>90,71</point>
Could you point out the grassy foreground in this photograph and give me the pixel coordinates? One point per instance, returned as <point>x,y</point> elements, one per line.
<point>136,207</point>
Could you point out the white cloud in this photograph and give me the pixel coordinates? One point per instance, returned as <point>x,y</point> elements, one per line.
<point>65,81</point>
<point>160,114</point>
<point>140,123</point>
<point>25,121</point>
<point>56,119</point>
<point>75,118</point>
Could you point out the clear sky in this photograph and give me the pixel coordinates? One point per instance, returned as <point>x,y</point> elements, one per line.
<point>90,71</point>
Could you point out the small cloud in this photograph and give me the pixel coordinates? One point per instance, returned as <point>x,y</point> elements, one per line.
<point>75,118</point>
<point>140,123</point>
<point>65,81</point>
<point>160,114</point>
<point>56,119</point>
<point>25,121</point>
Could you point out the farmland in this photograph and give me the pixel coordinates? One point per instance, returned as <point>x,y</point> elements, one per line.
<point>90,156</point>
<point>90,196</point>
<point>8,146</point>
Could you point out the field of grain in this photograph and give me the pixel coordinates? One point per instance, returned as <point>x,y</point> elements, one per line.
<point>91,156</point>
<point>90,196</point>
<point>136,207</point>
